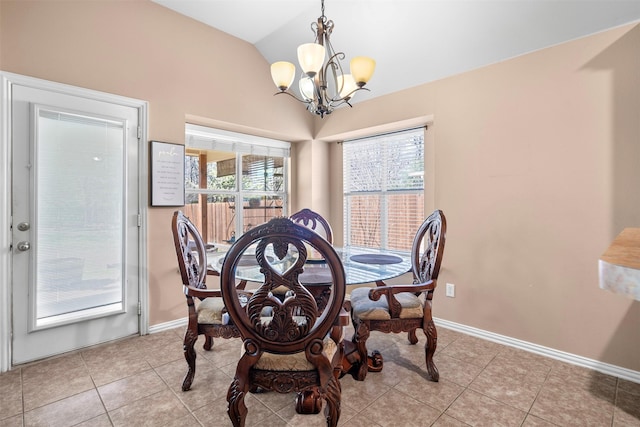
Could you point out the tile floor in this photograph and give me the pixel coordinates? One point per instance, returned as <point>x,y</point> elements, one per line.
<point>136,382</point>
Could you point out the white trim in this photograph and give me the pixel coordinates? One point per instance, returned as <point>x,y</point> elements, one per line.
<point>207,133</point>
<point>562,356</point>
<point>8,79</point>
<point>5,221</point>
<point>161,327</point>
<point>143,205</point>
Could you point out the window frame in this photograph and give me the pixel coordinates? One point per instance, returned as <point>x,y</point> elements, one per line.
<point>384,192</point>
<point>205,138</point>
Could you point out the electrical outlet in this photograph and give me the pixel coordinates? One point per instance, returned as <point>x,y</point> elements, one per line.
<point>450,290</point>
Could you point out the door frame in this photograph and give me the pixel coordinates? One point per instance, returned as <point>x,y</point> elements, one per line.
<point>8,80</point>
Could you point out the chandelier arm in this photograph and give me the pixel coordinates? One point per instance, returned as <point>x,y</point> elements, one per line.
<point>347,97</point>
<point>286,92</point>
<point>335,60</point>
<point>341,101</point>
<point>317,31</point>
<point>336,66</point>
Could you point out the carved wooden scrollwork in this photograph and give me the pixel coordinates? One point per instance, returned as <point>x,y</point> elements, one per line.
<point>295,322</point>
<point>430,239</point>
<point>291,319</point>
<point>192,263</point>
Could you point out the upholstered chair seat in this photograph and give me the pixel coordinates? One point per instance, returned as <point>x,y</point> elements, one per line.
<point>364,308</point>
<point>295,361</point>
<point>210,311</point>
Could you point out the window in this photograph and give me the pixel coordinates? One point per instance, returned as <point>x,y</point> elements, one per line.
<point>384,189</point>
<point>233,182</point>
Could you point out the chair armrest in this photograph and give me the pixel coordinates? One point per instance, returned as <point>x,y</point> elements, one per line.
<point>390,290</point>
<point>201,293</point>
<point>375,293</point>
<point>190,291</point>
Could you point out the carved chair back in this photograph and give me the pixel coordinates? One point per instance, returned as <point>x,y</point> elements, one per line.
<point>286,341</point>
<point>190,250</point>
<point>204,306</point>
<point>428,248</point>
<point>314,221</point>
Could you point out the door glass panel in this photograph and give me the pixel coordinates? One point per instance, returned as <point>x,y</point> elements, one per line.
<point>79,217</point>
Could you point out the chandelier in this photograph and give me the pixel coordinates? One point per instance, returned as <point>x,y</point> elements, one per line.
<point>323,85</point>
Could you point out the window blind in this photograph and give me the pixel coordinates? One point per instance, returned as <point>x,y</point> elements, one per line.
<point>384,189</point>
<point>233,181</point>
<point>219,140</point>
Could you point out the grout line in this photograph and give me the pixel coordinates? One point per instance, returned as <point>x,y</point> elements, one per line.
<point>501,350</point>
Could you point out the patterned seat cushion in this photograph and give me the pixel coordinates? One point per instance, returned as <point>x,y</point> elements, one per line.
<point>210,310</point>
<point>293,362</point>
<point>365,309</point>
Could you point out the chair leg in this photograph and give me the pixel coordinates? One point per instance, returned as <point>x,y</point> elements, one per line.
<point>308,402</point>
<point>430,349</point>
<point>239,387</point>
<point>237,409</point>
<point>332,397</point>
<point>360,340</point>
<point>411,336</point>
<point>208,343</point>
<point>190,338</point>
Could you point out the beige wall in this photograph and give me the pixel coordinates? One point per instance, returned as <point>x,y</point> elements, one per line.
<point>185,70</point>
<point>535,160</point>
<point>537,165</point>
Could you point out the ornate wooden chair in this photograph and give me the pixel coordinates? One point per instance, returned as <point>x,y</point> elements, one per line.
<point>290,345</point>
<point>314,221</point>
<point>399,308</point>
<point>205,316</point>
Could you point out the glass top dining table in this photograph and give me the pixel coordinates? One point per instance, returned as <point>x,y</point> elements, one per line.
<point>361,265</point>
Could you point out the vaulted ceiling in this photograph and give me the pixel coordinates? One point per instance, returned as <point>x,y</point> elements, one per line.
<point>412,41</point>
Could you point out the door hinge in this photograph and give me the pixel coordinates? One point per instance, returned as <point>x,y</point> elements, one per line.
<point>139,308</point>
<point>139,132</point>
<point>139,220</point>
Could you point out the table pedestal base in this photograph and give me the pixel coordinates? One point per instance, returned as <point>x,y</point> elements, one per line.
<point>351,362</point>
<point>309,402</point>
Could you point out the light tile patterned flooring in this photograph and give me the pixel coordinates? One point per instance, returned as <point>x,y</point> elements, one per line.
<point>136,382</point>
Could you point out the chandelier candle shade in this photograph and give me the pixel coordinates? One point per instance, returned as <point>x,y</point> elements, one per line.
<point>323,85</point>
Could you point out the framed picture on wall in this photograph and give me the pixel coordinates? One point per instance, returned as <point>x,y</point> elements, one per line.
<point>167,174</point>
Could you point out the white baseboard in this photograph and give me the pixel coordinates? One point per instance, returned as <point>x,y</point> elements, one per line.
<point>562,356</point>
<point>168,325</point>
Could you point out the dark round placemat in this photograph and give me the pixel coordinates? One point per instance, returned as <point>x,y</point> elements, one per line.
<point>376,259</point>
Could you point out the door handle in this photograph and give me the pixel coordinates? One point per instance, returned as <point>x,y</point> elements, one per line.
<point>23,246</point>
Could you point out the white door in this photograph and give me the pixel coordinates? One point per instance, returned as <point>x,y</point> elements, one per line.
<point>75,222</point>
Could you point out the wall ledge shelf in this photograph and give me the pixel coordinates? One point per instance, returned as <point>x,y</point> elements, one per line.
<point>619,266</point>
